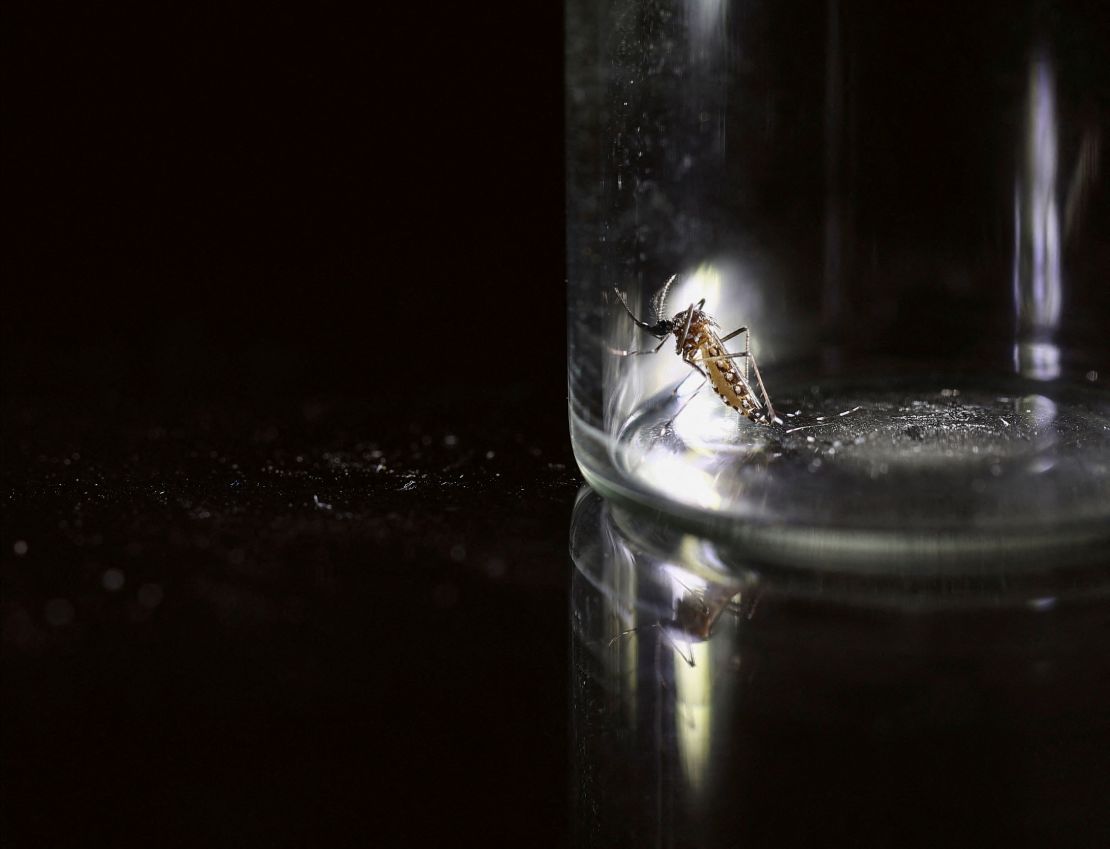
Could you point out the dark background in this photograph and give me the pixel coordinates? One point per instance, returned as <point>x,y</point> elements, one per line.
<point>284,349</point>
<point>292,197</point>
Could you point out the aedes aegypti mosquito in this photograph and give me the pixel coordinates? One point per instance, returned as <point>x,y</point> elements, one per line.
<point>695,617</point>
<point>699,345</point>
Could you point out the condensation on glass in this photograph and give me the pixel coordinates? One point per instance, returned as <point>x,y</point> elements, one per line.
<point>909,209</point>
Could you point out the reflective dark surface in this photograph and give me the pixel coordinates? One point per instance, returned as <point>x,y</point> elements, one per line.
<point>740,708</point>
<point>282,529</point>
<point>293,623</point>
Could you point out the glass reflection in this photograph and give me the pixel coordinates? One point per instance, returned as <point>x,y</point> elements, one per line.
<point>1037,244</point>
<point>719,703</point>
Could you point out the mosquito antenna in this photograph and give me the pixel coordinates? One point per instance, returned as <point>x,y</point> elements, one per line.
<point>628,310</point>
<point>659,302</point>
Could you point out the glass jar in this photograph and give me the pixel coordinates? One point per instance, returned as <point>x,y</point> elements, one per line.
<point>907,207</point>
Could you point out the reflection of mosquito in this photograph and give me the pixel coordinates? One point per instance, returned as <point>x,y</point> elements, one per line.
<point>696,614</point>
<point>698,344</point>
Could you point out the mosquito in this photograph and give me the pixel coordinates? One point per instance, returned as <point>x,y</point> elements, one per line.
<point>698,344</point>
<point>695,618</point>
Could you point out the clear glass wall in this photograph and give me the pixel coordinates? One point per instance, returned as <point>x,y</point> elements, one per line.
<point>907,205</point>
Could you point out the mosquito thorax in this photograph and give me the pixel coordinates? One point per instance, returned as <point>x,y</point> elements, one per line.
<point>692,315</point>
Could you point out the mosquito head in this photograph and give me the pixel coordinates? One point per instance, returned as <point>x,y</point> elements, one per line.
<point>660,330</point>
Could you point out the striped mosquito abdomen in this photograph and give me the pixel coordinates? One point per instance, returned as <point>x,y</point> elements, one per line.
<point>704,347</point>
<point>725,376</point>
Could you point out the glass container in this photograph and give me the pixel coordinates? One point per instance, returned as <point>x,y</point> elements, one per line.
<point>907,207</point>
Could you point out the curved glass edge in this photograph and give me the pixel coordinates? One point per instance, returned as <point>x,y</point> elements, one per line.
<point>907,553</point>
<point>629,537</point>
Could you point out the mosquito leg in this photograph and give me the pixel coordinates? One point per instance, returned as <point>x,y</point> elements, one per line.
<point>629,632</point>
<point>747,344</point>
<point>748,351</point>
<point>620,352</point>
<point>734,333</point>
<point>688,656</point>
<point>724,357</point>
<point>686,329</point>
<point>682,383</point>
<point>696,391</point>
<point>681,345</point>
<point>762,389</point>
<point>690,397</point>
